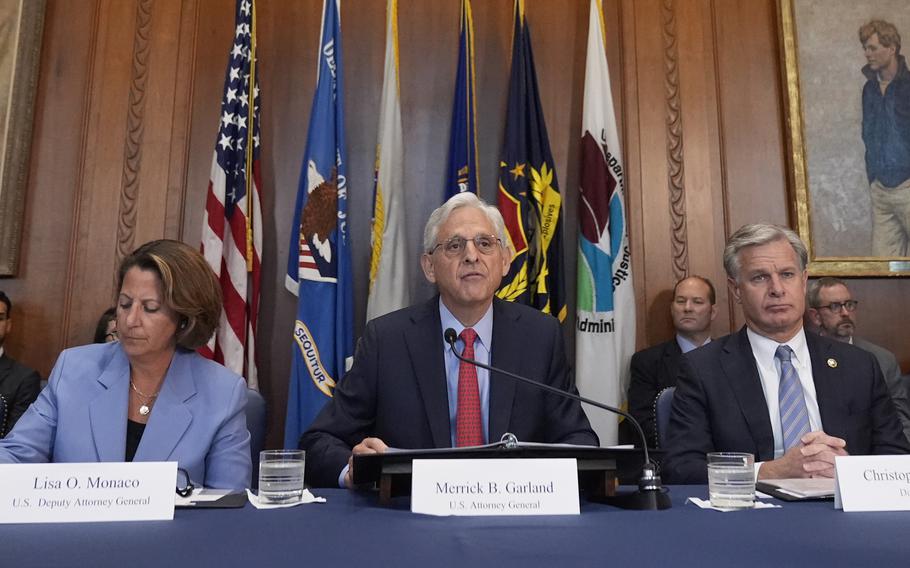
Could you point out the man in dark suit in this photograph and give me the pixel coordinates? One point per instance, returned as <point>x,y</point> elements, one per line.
<point>19,385</point>
<point>406,389</point>
<point>791,398</point>
<point>833,311</point>
<point>655,368</point>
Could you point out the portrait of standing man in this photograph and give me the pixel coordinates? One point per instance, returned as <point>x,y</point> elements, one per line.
<point>886,136</point>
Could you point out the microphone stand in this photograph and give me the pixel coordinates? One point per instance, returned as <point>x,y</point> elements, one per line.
<point>650,495</point>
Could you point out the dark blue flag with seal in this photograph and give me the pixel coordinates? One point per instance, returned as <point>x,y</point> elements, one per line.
<point>319,258</point>
<point>528,196</point>
<point>461,173</point>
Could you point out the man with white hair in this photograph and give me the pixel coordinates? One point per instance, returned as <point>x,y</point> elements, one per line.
<point>792,399</point>
<point>406,389</point>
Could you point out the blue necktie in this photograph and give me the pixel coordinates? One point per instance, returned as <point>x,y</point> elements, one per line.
<point>794,416</point>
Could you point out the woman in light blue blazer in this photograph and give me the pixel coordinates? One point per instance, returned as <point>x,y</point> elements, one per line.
<point>148,396</point>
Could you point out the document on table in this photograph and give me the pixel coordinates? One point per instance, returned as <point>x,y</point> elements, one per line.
<point>796,489</point>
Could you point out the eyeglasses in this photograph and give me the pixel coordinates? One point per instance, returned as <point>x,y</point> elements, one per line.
<point>112,336</point>
<point>184,483</point>
<point>456,246</point>
<point>836,307</point>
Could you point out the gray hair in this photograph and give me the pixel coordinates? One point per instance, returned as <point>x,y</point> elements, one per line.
<point>466,199</point>
<point>761,234</point>
<point>816,286</point>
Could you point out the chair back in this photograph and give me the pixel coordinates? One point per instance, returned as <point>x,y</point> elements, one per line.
<point>663,404</point>
<point>3,415</point>
<point>255,423</point>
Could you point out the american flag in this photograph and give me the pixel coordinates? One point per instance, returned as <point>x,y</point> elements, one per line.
<point>232,226</point>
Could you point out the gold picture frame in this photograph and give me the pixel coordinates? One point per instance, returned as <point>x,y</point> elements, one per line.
<point>21,26</point>
<point>838,42</point>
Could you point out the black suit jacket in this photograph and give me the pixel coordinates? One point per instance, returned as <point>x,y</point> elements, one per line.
<point>396,388</point>
<point>19,386</point>
<point>720,405</point>
<point>653,369</point>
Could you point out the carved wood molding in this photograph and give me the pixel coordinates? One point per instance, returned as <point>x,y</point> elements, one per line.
<point>129,185</point>
<point>676,181</point>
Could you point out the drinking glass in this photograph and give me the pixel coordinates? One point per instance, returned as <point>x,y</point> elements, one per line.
<point>281,476</point>
<point>731,479</point>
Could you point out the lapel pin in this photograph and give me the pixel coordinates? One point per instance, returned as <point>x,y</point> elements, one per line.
<point>832,362</point>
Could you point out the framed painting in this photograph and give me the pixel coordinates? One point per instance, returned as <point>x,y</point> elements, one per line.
<point>21,24</point>
<point>848,133</point>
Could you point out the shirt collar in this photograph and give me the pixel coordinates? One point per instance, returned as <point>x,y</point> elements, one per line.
<point>685,345</point>
<point>484,327</point>
<point>1,351</point>
<point>764,348</point>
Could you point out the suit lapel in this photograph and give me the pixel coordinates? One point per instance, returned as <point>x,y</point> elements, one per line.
<point>670,362</point>
<point>170,415</point>
<point>424,342</point>
<point>825,379</point>
<point>107,410</point>
<point>505,353</point>
<point>741,372</point>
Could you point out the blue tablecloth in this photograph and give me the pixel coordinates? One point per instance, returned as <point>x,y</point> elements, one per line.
<point>353,530</point>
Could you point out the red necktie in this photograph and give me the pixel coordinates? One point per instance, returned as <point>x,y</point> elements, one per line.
<point>468,426</point>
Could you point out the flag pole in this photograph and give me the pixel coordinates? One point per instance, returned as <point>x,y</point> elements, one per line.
<point>249,142</point>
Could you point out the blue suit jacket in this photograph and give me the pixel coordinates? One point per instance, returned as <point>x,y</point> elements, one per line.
<point>198,419</point>
<point>719,405</point>
<point>396,389</point>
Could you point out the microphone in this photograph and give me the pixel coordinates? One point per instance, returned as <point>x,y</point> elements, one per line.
<point>650,494</point>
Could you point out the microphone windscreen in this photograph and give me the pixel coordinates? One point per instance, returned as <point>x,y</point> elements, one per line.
<point>449,335</point>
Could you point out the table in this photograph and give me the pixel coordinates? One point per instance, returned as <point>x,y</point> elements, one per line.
<point>351,529</point>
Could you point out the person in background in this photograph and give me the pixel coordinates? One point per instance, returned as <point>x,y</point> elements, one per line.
<point>19,385</point>
<point>106,330</point>
<point>793,399</point>
<point>148,396</point>
<point>653,369</point>
<point>406,389</point>
<point>833,311</point>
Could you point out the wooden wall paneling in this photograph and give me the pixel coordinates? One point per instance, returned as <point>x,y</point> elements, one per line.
<point>676,155</point>
<point>161,101</point>
<point>90,286</point>
<point>184,86</point>
<point>703,207</point>
<point>650,179</point>
<point>57,147</point>
<point>622,41</point>
<point>134,142</point>
<point>752,119</point>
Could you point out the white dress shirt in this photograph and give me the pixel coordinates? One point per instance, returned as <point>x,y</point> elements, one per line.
<point>763,350</point>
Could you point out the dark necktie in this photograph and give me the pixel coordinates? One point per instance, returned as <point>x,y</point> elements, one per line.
<point>468,423</point>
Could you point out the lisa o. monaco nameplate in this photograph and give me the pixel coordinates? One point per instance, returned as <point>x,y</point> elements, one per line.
<point>87,492</point>
<point>872,483</point>
<point>466,487</point>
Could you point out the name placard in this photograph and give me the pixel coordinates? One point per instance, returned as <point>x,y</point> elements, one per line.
<point>495,487</point>
<point>872,483</point>
<point>87,492</point>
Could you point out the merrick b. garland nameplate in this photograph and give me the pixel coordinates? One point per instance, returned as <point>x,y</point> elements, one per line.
<point>872,483</point>
<point>87,492</point>
<point>495,487</point>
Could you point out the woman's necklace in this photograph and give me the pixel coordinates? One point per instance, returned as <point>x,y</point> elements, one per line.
<point>146,401</point>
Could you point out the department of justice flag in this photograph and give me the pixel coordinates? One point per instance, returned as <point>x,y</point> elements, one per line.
<point>319,263</point>
<point>605,326</point>
<point>529,197</point>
